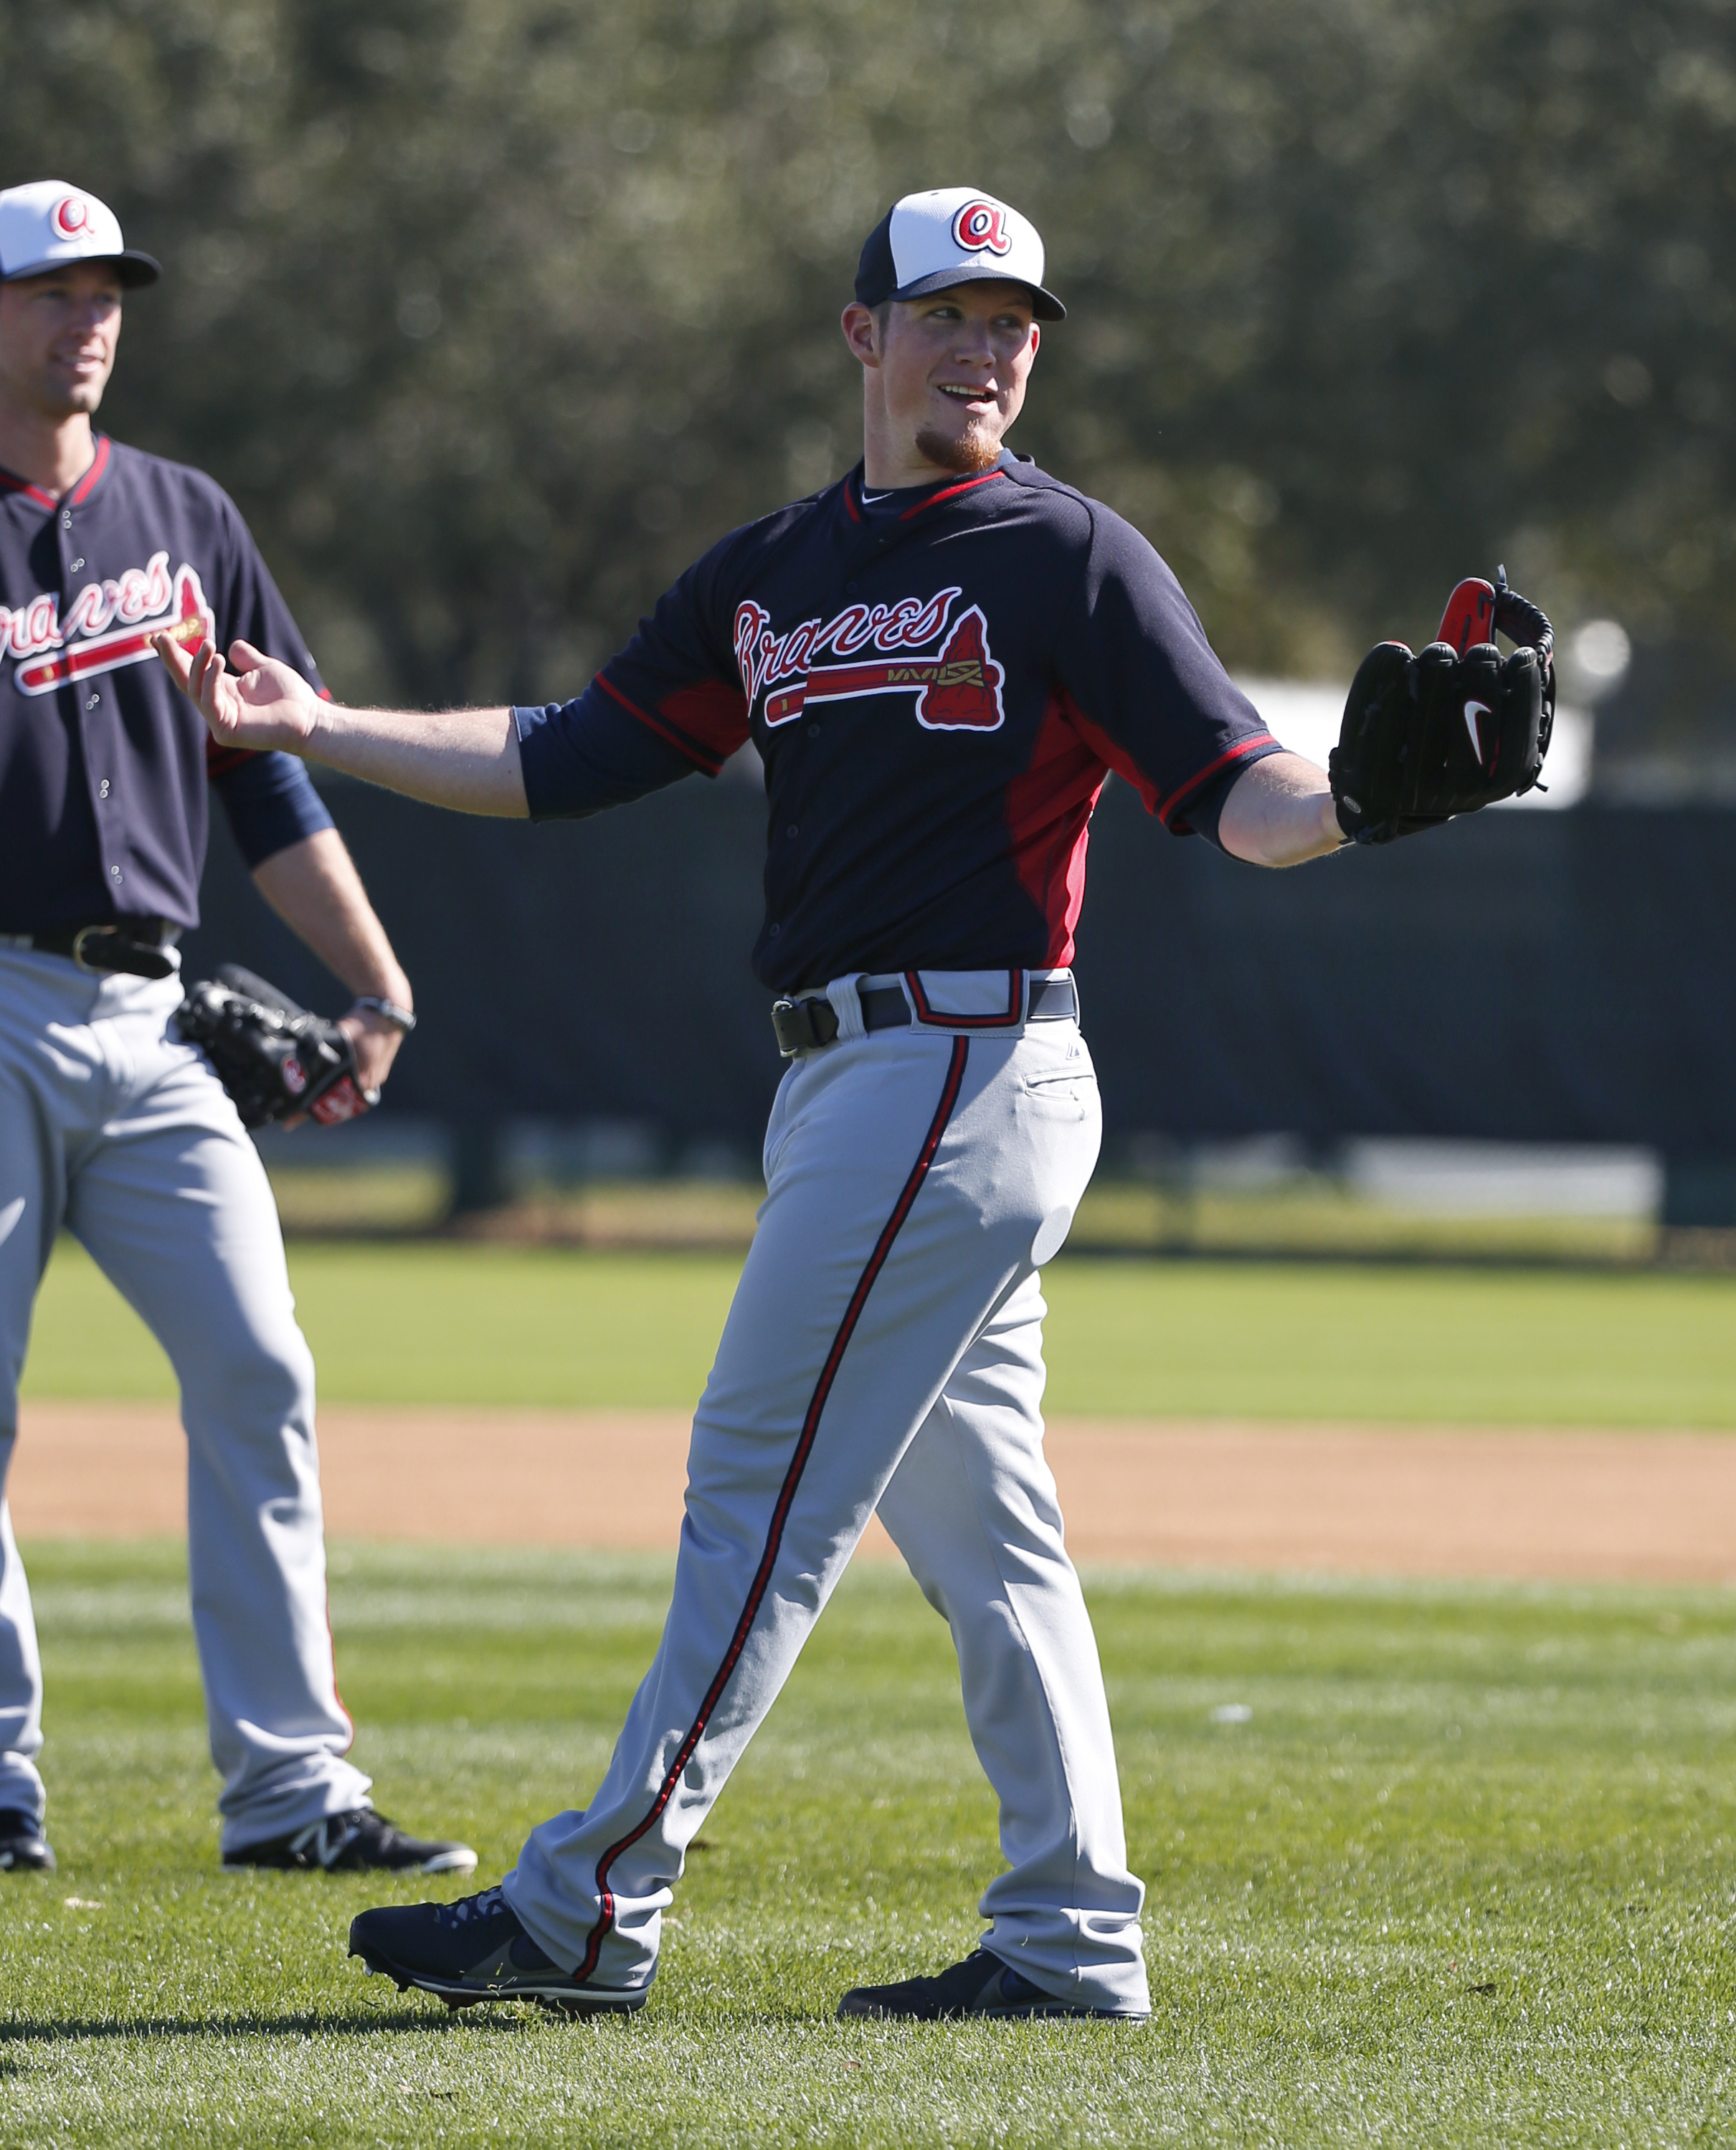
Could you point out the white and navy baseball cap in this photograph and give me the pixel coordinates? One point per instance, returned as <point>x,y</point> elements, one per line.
<point>952,235</point>
<point>47,224</point>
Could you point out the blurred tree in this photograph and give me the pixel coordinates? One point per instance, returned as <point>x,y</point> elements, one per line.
<point>491,313</point>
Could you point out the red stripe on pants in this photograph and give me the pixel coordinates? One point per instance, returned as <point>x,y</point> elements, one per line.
<point>786,1496</point>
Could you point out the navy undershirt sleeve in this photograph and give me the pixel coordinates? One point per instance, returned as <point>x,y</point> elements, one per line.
<point>580,757</point>
<point>270,802</point>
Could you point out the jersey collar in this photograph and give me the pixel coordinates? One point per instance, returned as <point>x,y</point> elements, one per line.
<point>76,495</point>
<point>916,501</point>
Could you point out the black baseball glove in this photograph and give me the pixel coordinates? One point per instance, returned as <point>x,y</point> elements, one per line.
<point>1452,729</point>
<point>273,1058</point>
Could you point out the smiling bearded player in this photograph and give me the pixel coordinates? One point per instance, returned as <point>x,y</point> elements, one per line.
<point>940,659</point>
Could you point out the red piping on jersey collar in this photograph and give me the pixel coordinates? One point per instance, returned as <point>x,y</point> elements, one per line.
<point>949,492</point>
<point>852,485</point>
<point>93,478</point>
<point>11,482</point>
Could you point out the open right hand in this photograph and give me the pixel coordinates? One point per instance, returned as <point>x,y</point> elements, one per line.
<point>261,705</point>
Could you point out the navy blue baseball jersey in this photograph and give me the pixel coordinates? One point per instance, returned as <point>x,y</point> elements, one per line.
<point>939,682</point>
<point>104,765</point>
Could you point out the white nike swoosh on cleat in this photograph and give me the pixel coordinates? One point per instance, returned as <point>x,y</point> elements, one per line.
<point>460,1859</point>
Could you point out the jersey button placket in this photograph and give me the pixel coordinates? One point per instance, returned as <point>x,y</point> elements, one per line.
<point>92,727</point>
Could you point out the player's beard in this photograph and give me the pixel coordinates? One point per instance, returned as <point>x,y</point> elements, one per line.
<point>973,450</point>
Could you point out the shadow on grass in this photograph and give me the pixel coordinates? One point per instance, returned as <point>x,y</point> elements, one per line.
<point>510,2017</point>
<point>350,2024</point>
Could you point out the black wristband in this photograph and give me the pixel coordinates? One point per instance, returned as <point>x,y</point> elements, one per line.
<point>400,1018</point>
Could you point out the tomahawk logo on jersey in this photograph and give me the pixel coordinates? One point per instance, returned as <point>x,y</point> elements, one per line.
<point>974,657</point>
<point>956,688</point>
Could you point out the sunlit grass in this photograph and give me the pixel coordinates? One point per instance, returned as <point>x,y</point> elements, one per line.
<point>1457,1867</point>
<point>436,1322</point>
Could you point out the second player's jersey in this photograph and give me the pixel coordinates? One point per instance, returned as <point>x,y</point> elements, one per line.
<point>104,763</point>
<point>939,684</point>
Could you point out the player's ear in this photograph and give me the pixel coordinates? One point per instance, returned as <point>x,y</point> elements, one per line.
<point>861,332</point>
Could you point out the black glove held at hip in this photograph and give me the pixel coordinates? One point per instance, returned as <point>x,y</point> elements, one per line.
<point>273,1059</point>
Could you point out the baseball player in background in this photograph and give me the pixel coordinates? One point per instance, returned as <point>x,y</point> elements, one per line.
<point>109,1125</point>
<point>940,659</point>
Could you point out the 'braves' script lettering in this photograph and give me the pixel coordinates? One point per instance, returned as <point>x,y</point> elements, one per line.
<point>950,669</point>
<point>139,594</point>
<point>765,658</point>
<point>107,625</point>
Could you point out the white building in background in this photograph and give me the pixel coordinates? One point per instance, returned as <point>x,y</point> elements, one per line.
<point>1305,714</point>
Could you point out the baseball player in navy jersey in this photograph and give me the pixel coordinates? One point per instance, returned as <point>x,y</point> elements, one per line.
<point>940,659</point>
<point>110,1127</point>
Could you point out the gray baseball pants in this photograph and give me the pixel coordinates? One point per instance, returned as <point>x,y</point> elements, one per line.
<point>117,1131</point>
<point>884,1350</point>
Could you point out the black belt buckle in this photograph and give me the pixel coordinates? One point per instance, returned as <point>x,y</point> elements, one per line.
<point>81,939</point>
<point>119,953</point>
<point>803,1025</point>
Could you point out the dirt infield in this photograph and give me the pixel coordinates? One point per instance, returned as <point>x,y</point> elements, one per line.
<point>1355,1499</point>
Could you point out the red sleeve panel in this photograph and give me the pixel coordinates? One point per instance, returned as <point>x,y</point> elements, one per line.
<point>1048,815</point>
<point>707,721</point>
<point>678,674</point>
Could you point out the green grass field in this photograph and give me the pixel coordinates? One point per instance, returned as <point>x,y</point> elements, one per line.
<point>439,1322</point>
<point>1459,1867</point>
<point>1463,1875</point>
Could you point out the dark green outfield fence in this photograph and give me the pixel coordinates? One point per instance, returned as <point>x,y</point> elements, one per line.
<point>1523,977</point>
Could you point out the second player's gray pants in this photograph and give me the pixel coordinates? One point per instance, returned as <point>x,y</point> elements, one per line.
<point>110,1128</point>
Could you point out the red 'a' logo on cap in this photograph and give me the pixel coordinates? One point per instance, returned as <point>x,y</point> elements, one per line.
<point>71,217</point>
<point>981,228</point>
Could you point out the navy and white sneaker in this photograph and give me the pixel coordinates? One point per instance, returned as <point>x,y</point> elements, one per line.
<point>361,1841</point>
<point>981,1986</point>
<point>475,1950</point>
<point>23,1848</point>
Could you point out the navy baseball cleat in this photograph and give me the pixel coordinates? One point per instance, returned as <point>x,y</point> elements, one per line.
<point>472,1950</point>
<point>23,1848</point>
<point>361,1841</point>
<point>981,1986</point>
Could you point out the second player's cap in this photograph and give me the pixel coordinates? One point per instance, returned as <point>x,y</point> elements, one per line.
<point>46,223</point>
<point>952,235</point>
